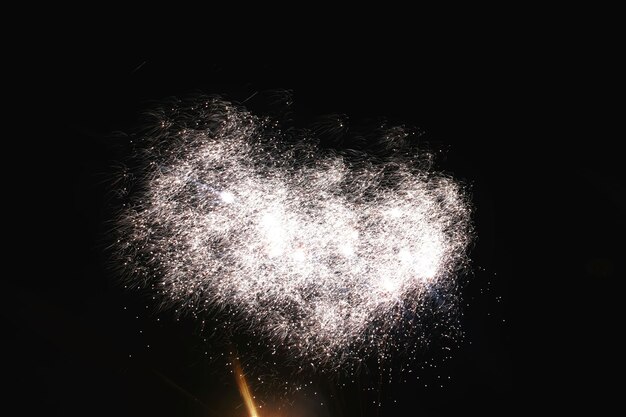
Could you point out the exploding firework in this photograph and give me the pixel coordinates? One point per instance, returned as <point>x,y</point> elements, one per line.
<point>328,253</point>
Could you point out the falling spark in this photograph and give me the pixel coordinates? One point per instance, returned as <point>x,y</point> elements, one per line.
<point>244,390</point>
<point>325,253</point>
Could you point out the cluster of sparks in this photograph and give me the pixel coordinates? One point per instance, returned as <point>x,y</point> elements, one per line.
<point>325,252</point>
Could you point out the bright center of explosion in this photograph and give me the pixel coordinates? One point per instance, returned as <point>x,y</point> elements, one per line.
<point>318,250</point>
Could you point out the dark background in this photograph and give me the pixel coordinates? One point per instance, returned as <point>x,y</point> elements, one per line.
<point>77,341</point>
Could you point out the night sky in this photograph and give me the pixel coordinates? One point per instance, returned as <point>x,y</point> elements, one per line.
<point>79,340</point>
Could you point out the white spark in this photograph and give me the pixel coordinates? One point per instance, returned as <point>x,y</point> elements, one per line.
<point>227,197</point>
<point>312,250</point>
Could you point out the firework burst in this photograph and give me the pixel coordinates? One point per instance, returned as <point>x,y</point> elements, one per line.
<point>328,253</point>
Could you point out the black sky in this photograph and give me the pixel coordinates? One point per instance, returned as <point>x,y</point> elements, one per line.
<point>69,330</point>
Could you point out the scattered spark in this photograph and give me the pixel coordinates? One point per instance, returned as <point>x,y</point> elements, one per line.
<point>139,67</point>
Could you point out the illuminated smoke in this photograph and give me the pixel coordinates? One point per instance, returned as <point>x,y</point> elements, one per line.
<point>323,252</point>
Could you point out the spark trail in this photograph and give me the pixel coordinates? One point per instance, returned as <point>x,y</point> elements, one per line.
<point>244,390</point>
